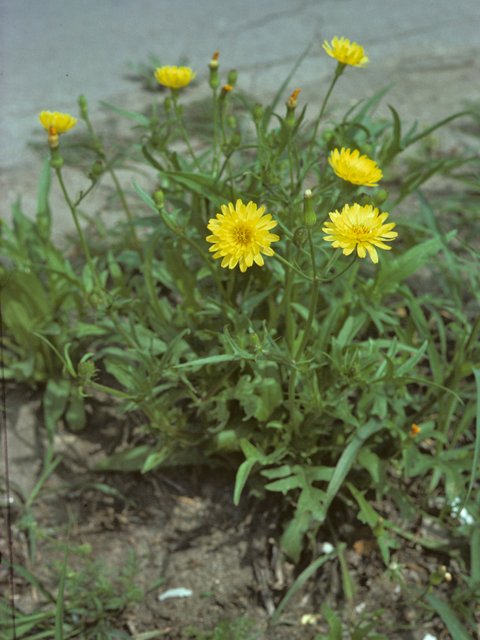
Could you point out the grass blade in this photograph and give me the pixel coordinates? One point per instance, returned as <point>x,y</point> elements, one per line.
<point>299,582</point>
<point>456,628</point>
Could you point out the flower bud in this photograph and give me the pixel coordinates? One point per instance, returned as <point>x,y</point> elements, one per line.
<point>96,170</point>
<point>159,198</point>
<point>214,80</point>
<point>363,199</point>
<point>292,101</point>
<point>83,104</point>
<point>291,104</point>
<point>253,339</point>
<point>437,577</point>
<point>257,113</point>
<point>232,78</point>
<point>414,431</point>
<point>309,216</point>
<point>232,122</point>
<point>236,140</point>
<point>379,198</point>
<point>300,236</point>
<point>224,92</point>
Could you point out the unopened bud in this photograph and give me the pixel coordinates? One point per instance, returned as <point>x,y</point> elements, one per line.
<point>257,113</point>
<point>380,197</point>
<point>292,101</point>
<point>213,64</point>
<point>96,170</point>
<point>159,198</point>
<point>291,104</point>
<point>437,577</point>
<point>309,216</point>
<point>300,236</point>
<point>253,339</point>
<point>236,140</point>
<point>414,431</point>
<point>363,199</point>
<point>232,78</point>
<point>214,80</point>
<point>232,122</point>
<point>83,104</point>
<point>225,91</point>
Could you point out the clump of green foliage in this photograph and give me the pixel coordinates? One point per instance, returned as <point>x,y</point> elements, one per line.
<point>306,373</point>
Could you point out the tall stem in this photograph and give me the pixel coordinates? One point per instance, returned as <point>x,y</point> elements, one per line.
<point>338,73</point>
<point>184,133</point>
<point>306,334</point>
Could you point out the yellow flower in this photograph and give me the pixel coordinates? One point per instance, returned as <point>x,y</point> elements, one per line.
<point>357,169</point>
<point>346,53</point>
<point>360,227</point>
<point>174,77</point>
<point>241,235</point>
<point>414,431</point>
<point>56,123</point>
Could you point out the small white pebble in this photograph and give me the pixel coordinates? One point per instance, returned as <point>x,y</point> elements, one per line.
<point>327,547</point>
<point>175,593</point>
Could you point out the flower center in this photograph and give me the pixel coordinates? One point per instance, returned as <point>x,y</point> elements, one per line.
<point>243,234</point>
<point>361,231</point>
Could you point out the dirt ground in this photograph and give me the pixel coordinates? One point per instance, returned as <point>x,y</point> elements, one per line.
<point>182,526</point>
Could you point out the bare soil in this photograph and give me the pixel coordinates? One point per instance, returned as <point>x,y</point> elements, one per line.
<point>183,527</point>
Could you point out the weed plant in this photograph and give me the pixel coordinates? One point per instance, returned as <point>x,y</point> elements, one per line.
<point>257,310</point>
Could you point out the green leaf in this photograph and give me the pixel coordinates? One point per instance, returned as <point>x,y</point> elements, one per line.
<point>367,513</point>
<point>206,186</point>
<point>54,402</point>
<point>298,584</point>
<point>132,115</point>
<point>75,415</point>
<point>335,632</point>
<point>476,455</point>
<point>242,476</point>
<point>127,460</point>
<point>393,272</point>
<point>347,459</point>
<point>456,628</point>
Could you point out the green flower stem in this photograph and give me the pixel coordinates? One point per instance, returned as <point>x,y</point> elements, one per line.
<point>338,73</point>
<point>306,334</point>
<point>182,130</point>
<point>71,206</point>
<point>291,266</point>
<point>215,159</point>
<point>103,156</point>
<point>223,111</point>
<point>290,159</point>
<point>84,194</point>
<point>330,263</point>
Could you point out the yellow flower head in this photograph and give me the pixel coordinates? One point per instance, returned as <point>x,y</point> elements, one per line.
<point>56,122</point>
<point>241,235</point>
<point>346,53</point>
<point>357,169</point>
<point>360,227</point>
<point>174,77</point>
